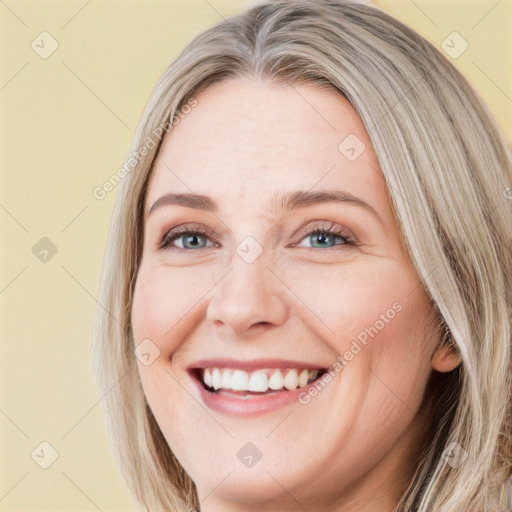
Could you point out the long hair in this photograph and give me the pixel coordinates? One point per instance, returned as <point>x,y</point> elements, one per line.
<point>448,174</point>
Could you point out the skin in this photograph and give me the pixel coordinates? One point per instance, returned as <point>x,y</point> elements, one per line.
<point>354,446</point>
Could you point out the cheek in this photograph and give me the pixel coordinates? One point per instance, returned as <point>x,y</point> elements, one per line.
<point>397,348</point>
<point>167,307</point>
<point>373,314</point>
<point>359,301</point>
<point>165,302</point>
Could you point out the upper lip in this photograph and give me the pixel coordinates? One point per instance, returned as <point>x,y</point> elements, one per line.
<point>253,364</point>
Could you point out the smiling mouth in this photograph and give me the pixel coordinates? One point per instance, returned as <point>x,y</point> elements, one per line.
<point>265,381</point>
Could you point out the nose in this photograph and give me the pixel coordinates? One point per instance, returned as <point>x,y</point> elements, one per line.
<point>248,297</point>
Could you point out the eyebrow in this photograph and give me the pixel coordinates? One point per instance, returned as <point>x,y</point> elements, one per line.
<point>289,200</point>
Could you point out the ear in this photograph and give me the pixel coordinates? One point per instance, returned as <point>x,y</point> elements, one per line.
<point>445,358</point>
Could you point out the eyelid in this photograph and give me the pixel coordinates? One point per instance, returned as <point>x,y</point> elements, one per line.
<point>333,228</point>
<point>176,231</point>
<point>314,226</point>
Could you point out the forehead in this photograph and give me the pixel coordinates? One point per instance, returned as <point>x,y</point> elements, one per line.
<point>246,142</point>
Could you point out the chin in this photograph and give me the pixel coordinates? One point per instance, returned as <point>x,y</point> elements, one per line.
<point>251,486</point>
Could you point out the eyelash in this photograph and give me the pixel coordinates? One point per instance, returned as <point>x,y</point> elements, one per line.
<point>325,228</point>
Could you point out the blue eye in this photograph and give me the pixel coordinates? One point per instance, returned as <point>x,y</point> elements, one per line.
<point>188,238</point>
<point>326,238</point>
<point>193,238</point>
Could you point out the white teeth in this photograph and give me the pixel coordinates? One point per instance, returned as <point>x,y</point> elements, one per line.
<point>291,381</point>
<point>207,377</point>
<point>259,380</point>
<point>303,378</point>
<point>226,379</point>
<point>239,381</point>
<point>276,381</point>
<point>216,378</point>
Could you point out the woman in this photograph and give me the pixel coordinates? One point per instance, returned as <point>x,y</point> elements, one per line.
<point>306,297</point>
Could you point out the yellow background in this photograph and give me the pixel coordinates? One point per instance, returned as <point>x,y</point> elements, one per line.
<point>66,123</point>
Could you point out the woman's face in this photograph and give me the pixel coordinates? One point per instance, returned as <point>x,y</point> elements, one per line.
<point>257,300</point>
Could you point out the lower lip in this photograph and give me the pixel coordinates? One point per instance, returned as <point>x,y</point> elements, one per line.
<point>252,405</point>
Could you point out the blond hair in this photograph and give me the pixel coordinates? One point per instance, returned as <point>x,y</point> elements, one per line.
<point>449,177</point>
